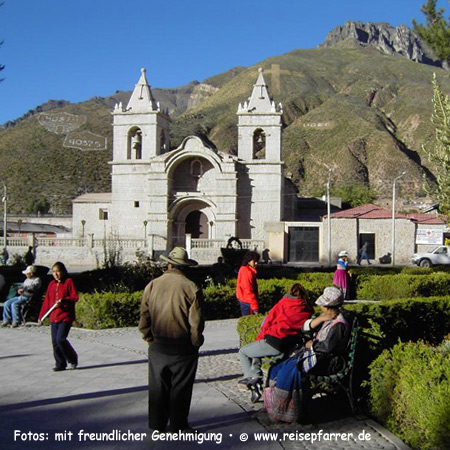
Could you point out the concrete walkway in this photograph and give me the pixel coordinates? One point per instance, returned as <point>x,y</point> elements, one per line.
<point>103,404</point>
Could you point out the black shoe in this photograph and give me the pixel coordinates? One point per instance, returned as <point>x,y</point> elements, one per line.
<point>58,369</point>
<point>243,384</point>
<point>257,390</point>
<point>255,381</point>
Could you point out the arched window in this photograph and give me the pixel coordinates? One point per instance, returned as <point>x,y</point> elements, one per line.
<point>196,168</point>
<point>163,147</point>
<point>134,150</point>
<point>259,144</point>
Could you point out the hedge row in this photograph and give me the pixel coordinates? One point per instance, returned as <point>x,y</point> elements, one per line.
<point>116,309</point>
<point>410,393</point>
<point>108,310</point>
<point>388,322</point>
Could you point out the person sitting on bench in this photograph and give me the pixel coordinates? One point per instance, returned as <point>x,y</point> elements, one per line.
<point>12,307</point>
<point>331,333</point>
<point>279,330</point>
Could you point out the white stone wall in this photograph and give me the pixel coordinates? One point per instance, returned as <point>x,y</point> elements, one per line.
<point>90,212</point>
<point>345,233</point>
<point>259,198</point>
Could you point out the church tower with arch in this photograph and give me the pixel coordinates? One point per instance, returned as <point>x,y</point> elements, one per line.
<point>261,177</point>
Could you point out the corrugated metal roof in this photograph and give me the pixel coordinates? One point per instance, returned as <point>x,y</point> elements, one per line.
<point>27,227</point>
<point>367,211</point>
<point>430,219</point>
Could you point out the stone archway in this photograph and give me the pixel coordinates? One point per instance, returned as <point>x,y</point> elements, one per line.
<point>192,216</point>
<point>196,224</point>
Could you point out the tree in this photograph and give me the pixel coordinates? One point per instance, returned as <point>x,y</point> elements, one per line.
<point>439,154</point>
<point>354,195</point>
<point>436,31</point>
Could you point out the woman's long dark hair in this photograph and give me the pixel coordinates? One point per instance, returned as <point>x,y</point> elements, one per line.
<point>249,256</point>
<point>297,290</point>
<point>62,268</point>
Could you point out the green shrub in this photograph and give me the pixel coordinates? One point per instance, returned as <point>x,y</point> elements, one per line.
<point>108,310</point>
<point>220,302</point>
<point>403,285</point>
<point>410,393</point>
<point>248,327</point>
<point>125,278</point>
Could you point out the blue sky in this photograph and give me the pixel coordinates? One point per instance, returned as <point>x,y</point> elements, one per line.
<point>77,49</point>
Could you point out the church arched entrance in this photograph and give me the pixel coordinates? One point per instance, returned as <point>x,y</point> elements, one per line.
<point>197,225</point>
<point>191,216</point>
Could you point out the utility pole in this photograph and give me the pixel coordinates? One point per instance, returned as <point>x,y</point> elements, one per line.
<point>328,215</point>
<point>393,217</point>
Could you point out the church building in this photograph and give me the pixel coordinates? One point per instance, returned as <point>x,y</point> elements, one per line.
<point>163,195</point>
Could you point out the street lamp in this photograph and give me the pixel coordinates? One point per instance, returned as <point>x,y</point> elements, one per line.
<point>145,228</point>
<point>328,215</point>
<point>4,199</point>
<point>393,217</point>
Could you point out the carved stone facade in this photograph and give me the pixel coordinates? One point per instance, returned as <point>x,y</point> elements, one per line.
<point>194,189</point>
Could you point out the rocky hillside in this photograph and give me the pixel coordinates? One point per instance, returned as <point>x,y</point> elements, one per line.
<point>360,106</point>
<point>385,38</point>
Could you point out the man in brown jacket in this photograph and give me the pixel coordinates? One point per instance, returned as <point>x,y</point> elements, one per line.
<point>171,321</point>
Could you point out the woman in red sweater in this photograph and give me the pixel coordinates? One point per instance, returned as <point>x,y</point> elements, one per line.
<point>280,329</point>
<point>246,285</point>
<point>61,291</point>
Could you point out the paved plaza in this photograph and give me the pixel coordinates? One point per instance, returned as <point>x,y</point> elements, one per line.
<point>103,404</point>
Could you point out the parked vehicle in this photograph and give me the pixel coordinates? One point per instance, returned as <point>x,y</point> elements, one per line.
<point>440,255</point>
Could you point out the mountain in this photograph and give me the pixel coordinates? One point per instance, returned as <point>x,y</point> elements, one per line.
<point>387,39</point>
<point>348,104</point>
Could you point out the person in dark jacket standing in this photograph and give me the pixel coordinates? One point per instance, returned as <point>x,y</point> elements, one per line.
<point>61,292</point>
<point>246,284</point>
<point>171,321</point>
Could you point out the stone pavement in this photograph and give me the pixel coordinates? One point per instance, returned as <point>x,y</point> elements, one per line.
<point>103,404</point>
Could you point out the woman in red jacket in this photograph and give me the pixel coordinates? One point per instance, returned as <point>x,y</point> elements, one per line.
<point>61,291</point>
<point>280,329</point>
<point>246,285</point>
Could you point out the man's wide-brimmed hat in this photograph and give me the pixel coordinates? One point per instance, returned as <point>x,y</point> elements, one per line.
<point>332,296</point>
<point>179,257</point>
<point>343,253</point>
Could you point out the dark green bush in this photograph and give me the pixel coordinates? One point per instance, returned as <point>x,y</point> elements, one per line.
<point>410,393</point>
<point>125,278</point>
<point>220,302</point>
<point>403,285</point>
<point>108,310</point>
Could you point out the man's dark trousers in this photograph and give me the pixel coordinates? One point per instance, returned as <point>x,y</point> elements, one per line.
<point>171,379</point>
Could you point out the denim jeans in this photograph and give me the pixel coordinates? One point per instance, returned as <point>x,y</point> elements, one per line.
<point>251,354</point>
<point>63,352</point>
<point>12,309</point>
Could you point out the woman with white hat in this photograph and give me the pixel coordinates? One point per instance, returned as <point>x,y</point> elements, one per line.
<point>342,274</point>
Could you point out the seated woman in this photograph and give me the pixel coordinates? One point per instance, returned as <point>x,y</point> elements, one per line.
<point>280,328</point>
<point>331,333</point>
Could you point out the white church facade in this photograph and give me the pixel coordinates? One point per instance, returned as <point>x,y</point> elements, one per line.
<point>163,195</point>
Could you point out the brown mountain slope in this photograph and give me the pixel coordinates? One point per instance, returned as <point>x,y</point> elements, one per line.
<point>362,113</point>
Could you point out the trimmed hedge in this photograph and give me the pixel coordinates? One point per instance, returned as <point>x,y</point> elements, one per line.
<point>404,285</point>
<point>425,319</point>
<point>108,310</point>
<point>410,393</point>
